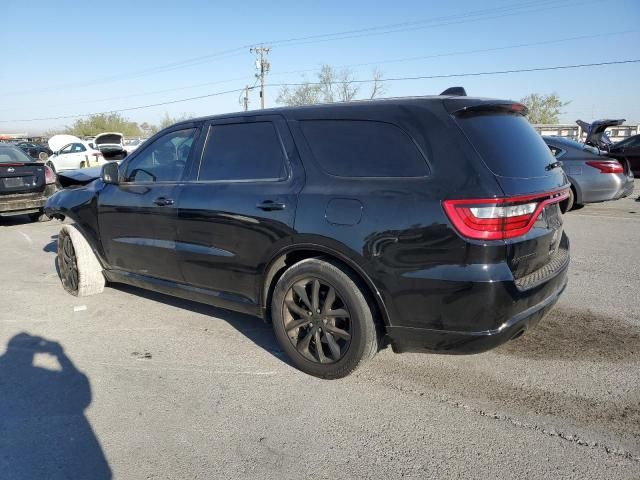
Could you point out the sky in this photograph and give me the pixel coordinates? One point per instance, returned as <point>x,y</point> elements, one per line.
<point>64,58</point>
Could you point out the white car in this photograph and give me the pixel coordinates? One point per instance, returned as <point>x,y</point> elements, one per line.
<point>70,152</point>
<point>131,144</point>
<point>111,144</point>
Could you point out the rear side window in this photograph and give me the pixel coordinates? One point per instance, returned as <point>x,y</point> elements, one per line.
<point>243,151</point>
<point>508,144</point>
<point>358,148</point>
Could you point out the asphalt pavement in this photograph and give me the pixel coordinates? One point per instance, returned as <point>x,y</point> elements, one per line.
<point>136,385</point>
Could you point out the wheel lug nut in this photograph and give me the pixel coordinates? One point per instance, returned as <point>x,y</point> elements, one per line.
<point>318,310</point>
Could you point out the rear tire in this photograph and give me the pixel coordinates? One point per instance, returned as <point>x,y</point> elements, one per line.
<point>78,267</point>
<point>322,319</point>
<point>568,204</point>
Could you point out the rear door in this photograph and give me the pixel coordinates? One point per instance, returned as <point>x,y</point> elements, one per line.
<point>239,208</point>
<point>528,174</point>
<point>137,218</point>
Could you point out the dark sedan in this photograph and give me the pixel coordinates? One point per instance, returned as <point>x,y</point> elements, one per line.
<point>35,150</point>
<point>25,184</point>
<point>628,150</point>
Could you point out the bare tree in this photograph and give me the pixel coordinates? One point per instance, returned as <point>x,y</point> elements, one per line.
<point>378,89</point>
<point>327,80</point>
<point>331,86</point>
<point>347,88</point>
<point>305,94</point>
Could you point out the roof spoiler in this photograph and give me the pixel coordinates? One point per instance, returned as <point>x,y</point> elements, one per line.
<point>465,107</point>
<point>455,91</point>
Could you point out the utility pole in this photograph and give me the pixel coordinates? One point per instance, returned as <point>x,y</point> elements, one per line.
<point>245,99</point>
<point>262,66</point>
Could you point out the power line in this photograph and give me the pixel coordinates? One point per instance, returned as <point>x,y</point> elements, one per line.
<point>394,79</point>
<point>485,14</point>
<point>473,74</point>
<point>465,52</point>
<point>371,63</point>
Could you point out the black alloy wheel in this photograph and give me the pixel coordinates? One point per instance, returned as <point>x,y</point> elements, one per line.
<point>68,264</point>
<point>317,320</point>
<point>322,319</point>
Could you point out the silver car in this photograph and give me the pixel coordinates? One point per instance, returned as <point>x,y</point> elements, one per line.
<point>594,176</point>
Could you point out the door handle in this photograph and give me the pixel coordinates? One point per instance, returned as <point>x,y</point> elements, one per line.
<point>270,205</point>
<point>163,201</point>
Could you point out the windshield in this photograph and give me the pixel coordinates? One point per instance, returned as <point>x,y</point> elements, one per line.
<point>13,155</point>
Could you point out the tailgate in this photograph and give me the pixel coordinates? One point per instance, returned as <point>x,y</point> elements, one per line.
<point>529,176</point>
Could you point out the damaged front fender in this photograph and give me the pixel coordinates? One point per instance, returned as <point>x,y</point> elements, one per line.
<point>79,204</point>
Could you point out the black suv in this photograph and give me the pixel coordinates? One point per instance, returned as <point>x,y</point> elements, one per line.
<point>430,224</point>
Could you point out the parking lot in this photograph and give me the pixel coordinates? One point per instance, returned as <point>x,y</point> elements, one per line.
<point>174,389</point>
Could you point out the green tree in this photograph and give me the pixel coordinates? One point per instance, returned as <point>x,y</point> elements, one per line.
<point>103,122</point>
<point>544,108</point>
<point>167,121</point>
<point>331,85</point>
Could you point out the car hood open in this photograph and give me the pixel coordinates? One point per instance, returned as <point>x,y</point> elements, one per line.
<point>58,141</point>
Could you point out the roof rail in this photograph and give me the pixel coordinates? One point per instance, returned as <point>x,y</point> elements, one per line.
<point>455,91</point>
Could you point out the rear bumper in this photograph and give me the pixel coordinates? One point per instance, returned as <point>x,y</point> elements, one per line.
<point>604,187</point>
<point>411,339</point>
<point>24,203</point>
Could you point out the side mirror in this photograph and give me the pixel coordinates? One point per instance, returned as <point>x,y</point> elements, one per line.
<point>110,173</point>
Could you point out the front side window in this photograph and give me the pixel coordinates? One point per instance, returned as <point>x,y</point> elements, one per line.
<point>243,151</point>
<point>66,149</point>
<point>357,148</point>
<point>164,160</point>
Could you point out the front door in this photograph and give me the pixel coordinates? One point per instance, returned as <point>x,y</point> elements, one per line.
<point>137,217</point>
<point>239,207</point>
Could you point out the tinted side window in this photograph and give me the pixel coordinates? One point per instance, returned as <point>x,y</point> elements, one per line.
<point>164,160</point>
<point>243,151</point>
<point>355,148</point>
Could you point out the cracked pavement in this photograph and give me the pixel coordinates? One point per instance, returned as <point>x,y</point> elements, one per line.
<point>182,390</point>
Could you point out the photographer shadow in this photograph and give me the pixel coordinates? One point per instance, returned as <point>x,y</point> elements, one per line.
<point>43,430</point>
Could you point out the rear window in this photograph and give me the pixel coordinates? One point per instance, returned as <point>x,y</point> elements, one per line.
<point>13,155</point>
<point>355,148</point>
<point>508,144</point>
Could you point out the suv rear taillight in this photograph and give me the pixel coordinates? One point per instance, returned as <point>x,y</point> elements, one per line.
<point>499,218</point>
<point>607,166</point>
<point>49,176</point>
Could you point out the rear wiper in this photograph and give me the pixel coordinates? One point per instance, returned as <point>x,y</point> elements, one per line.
<point>553,165</point>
